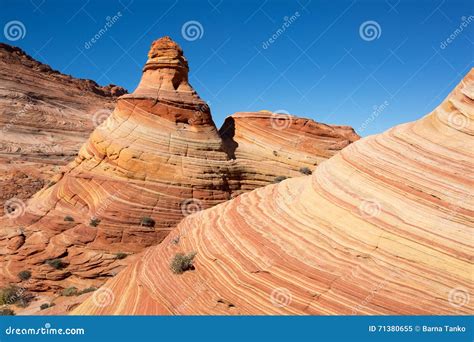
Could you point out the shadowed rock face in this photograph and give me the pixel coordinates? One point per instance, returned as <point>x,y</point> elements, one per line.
<point>45,117</point>
<point>155,160</point>
<point>383,227</point>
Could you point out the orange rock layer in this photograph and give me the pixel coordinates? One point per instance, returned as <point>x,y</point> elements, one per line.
<point>383,227</point>
<point>155,160</point>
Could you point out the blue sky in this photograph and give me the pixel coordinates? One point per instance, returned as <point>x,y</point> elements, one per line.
<point>322,65</point>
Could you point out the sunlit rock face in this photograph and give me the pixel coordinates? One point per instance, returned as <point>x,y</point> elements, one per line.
<point>383,227</point>
<point>45,117</point>
<point>157,158</point>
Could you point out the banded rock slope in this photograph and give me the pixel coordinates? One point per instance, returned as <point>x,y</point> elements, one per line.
<point>265,145</point>
<point>45,117</point>
<point>156,159</point>
<point>383,227</point>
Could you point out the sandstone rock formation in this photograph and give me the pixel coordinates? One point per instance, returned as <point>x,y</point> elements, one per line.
<point>265,145</point>
<point>45,117</point>
<point>155,160</point>
<point>383,227</point>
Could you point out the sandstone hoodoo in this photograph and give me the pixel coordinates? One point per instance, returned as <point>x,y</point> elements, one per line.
<point>383,227</point>
<point>45,117</point>
<point>158,158</point>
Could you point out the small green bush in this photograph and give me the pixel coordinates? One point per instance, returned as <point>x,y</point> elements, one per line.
<point>279,179</point>
<point>70,291</point>
<point>94,222</point>
<point>306,171</point>
<point>55,263</point>
<point>147,222</point>
<point>44,306</point>
<point>7,312</point>
<point>182,262</point>
<point>69,218</point>
<point>87,290</point>
<point>24,275</point>
<point>120,255</point>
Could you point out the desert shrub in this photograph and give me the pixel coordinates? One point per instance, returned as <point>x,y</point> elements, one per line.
<point>279,179</point>
<point>147,222</point>
<point>44,306</point>
<point>15,295</point>
<point>182,262</point>
<point>94,222</point>
<point>120,255</point>
<point>7,312</point>
<point>69,218</point>
<point>69,291</point>
<point>275,153</point>
<point>305,171</point>
<point>24,275</point>
<point>87,290</point>
<point>9,295</point>
<point>55,263</point>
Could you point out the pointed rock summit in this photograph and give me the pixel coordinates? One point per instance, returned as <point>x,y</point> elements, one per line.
<point>164,85</point>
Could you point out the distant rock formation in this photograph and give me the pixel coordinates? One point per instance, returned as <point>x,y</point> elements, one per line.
<point>45,117</point>
<point>158,158</point>
<point>383,227</point>
<point>265,146</point>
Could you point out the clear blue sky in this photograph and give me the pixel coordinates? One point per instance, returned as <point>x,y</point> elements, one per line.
<point>319,66</point>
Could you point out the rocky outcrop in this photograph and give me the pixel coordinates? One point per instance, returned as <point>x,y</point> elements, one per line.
<point>45,117</point>
<point>156,159</point>
<point>266,147</point>
<point>383,227</point>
